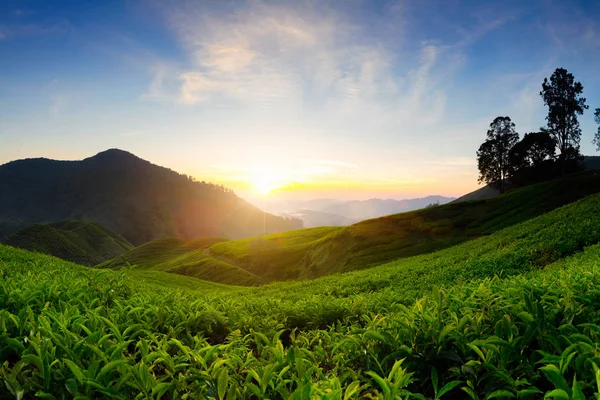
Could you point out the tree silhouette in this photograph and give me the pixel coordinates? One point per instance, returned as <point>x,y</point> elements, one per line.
<point>597,136</point>
<point>562,95</point>
<point>532,150</point>
<point>493,156</point>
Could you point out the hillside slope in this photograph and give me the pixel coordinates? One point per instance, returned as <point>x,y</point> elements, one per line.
<point>81,242</point>
<point>510,315</point>
<point>139,200</point>
<point>184,257</point>
<point>314,252</point>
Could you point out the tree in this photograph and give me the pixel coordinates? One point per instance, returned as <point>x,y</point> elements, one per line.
<point>597,136</point>
<point>562,95</point>
<point>493,156</point>
<point>532,150</point>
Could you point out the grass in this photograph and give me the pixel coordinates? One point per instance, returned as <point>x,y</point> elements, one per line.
<point>184,257</point>
<point>509,315</point>
<point>82,242</point>
<point>317,252</point>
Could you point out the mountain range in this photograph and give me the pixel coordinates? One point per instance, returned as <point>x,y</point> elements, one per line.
<point>335,212</point>
<point>133,197</point>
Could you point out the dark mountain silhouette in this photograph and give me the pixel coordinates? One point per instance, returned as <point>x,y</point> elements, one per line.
<point>359,210</point>
<point>137,199</point>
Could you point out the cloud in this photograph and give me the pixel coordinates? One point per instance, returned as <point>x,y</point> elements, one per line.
<point>58,103</point>
<point>299,56</point>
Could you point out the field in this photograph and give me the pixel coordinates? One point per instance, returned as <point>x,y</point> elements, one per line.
<point>317,252</point>
<point>513,314</point>
<point>82,242</point>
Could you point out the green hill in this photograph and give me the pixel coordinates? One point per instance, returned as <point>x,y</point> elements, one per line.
<point>314,252</point>
<point>513,314</point>
<point>82,242</point>
<point>185,257</point>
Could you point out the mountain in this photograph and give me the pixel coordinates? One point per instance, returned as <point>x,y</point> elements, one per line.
<point>82,242</point>
<point>139,200</point>
<point>311,219</point>
<point>359,210</point>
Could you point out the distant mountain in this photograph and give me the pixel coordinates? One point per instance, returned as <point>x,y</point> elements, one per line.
<point>359,210</point>
<point>82,242</point>
<point>312,219</point>
<point>139,200</point>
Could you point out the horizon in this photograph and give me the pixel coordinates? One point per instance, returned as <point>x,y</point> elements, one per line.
<point>347,101</point>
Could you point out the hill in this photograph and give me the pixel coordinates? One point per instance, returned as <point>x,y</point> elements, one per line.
<point>139,200</point>
<point>82,242</point>
<point>486,192</point>
<point>314,252</point>
<point>590,163</point>
<point>509,315</point>
<point>184,257</point>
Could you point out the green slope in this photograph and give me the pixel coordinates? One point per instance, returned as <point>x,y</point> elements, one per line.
<point>82,242</point>
<point>512,314</point>
<point>315,252</point>
<point>184,257</point>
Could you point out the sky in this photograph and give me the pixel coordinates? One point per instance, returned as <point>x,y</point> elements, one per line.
<point>349,99</point>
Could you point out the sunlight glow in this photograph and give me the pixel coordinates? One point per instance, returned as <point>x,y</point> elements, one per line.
<point>264,182</point>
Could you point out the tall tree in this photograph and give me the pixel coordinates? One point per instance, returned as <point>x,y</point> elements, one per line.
<point>562,95</point>
<point>493,156</point>
<point>597,136</point>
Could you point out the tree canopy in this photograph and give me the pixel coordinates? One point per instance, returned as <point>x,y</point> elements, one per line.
<point>597,136</point>
<point>493,156</point>
<point>562,94</point>
<point>532,150</point>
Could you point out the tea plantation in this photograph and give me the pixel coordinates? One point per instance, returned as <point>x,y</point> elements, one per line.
<point>515,314</point>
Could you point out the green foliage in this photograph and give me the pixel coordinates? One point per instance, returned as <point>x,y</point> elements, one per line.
<point>82,242</point>
<point>510,315</point>
<point>185,257</point>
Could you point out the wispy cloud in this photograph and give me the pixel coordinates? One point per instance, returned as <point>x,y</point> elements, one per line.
<point>304,56</point>
<point>58,103</point>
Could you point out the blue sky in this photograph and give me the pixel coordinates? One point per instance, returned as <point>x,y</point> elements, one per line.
<point>352,99</point>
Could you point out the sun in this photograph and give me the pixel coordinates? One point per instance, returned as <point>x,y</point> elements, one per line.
<point>264,183</point>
